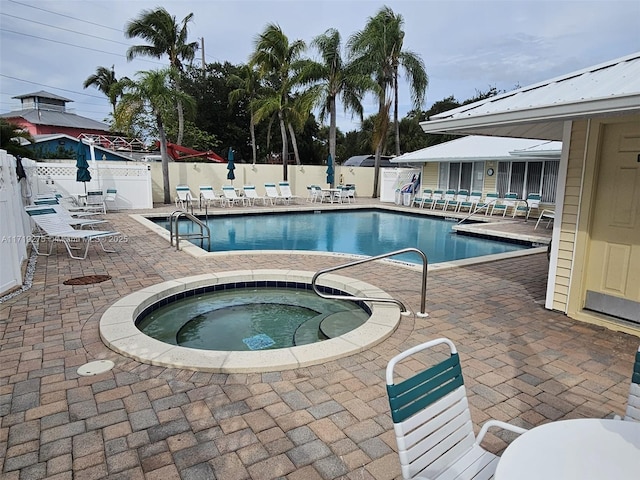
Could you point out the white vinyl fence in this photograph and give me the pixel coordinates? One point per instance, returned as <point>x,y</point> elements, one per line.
<point>15,226</point>
<point>132,181</point>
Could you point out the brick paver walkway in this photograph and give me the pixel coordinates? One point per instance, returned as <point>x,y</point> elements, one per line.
<point>522,364</point>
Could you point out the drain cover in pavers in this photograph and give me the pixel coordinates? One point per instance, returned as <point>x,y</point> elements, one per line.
<point>87,280</point>
<point>95,368</point>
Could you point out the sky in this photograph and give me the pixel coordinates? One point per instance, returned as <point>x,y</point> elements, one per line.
<point>468,46</point>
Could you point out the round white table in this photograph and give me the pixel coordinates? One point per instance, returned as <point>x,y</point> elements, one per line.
<point>585,449</point>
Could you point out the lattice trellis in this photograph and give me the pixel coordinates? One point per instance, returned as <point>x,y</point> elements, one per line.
<point>56,170</point>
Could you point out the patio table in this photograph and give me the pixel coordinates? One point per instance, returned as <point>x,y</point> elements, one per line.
<point>585,449</point>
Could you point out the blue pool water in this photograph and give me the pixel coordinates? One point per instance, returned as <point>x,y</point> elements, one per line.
<point>361,232</point>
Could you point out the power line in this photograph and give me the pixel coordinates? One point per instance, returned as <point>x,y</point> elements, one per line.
<point>64,29</point>
<point>50,86</point>
<point>73,45</point>
<point>83,20</point>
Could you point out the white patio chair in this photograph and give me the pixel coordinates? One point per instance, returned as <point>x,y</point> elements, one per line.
<point>432,421</point>
<point>286,193</point>
<point>229,192</point>
<point>184,197</point>
<point>633,403</point>
<point>273,194</point>
<point>208,197</point>
<point>533,202</point>
<point>110,199</point>
<point>548,215</point>
<point>251,195</point>
<point>54,229</point>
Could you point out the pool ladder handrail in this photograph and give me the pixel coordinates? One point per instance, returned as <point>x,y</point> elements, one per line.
<point>403,308</point>
<point>173,222</point>
<point>478,209</point>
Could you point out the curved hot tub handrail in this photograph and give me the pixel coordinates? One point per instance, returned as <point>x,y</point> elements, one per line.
<point>403,308</point>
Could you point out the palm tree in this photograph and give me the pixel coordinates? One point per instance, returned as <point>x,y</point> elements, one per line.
<point>377,50</point>
<point>166,37</point>
<point>337,79</point>
<point>281,65</point>
<point>247,85</point>
<point>153,94</point>
<point>105,80</point>
<point>10,135</point>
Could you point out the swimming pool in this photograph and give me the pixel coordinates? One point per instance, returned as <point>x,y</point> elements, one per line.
<point>367,232</point>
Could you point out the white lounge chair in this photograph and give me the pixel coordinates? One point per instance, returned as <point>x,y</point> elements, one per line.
<point>548,215</point>
<point>54,229</point>
<point>208,197</point>
<point>230,195</point>
<point>286,193</point>
<point>184,197</point>
<point>251,195</point>
<point>273,194</point>
<point>432,421</point>
<point>76,222</point>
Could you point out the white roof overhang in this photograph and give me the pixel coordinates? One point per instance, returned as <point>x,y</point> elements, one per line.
<point>482,149</point>
<point>540,110</point>
<point>544,123</point>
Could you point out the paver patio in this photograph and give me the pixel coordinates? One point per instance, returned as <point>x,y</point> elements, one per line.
<point>522,364</point>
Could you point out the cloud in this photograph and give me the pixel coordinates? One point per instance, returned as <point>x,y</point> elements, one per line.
<point>466,45</point>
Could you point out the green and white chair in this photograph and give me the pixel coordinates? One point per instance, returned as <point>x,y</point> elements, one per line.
<point>633,404</point>
<point>432,421</point>
<point>184,197</point>
<point>419,199</point>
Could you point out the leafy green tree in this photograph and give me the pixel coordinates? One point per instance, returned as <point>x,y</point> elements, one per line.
<point>10,135</point>
<point>377,50</point>
<point>153,94</point>
<point>215,115</point>
<point>105,80</point>
<point>166,37</point>
<point>339,79</point>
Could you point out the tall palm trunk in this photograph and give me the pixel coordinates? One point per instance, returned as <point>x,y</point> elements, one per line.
<point>180,110</point>
<point>294,142</point>
<point>165,160</point>
<point>252,129</point>
<point>379,137</point>
<point>332,128</point>
<point>285,147</point>
<point>395,107</point>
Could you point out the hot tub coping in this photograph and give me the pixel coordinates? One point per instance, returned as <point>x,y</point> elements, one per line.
<point>119,333</point>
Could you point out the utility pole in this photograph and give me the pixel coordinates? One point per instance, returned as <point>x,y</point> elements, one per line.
<point>204,67</point>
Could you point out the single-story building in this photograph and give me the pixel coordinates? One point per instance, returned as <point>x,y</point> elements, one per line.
<point>594,272</point>
<point>490,164</point>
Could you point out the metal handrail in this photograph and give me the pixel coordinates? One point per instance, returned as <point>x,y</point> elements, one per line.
<point>486,205</point>
<point>173,221</point>
<point>403,309</point>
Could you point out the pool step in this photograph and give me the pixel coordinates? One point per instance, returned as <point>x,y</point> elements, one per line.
<point>309,331</point>
<point>339,323</point>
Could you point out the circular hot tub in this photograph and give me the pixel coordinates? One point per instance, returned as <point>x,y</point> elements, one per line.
<point>120,331</point>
